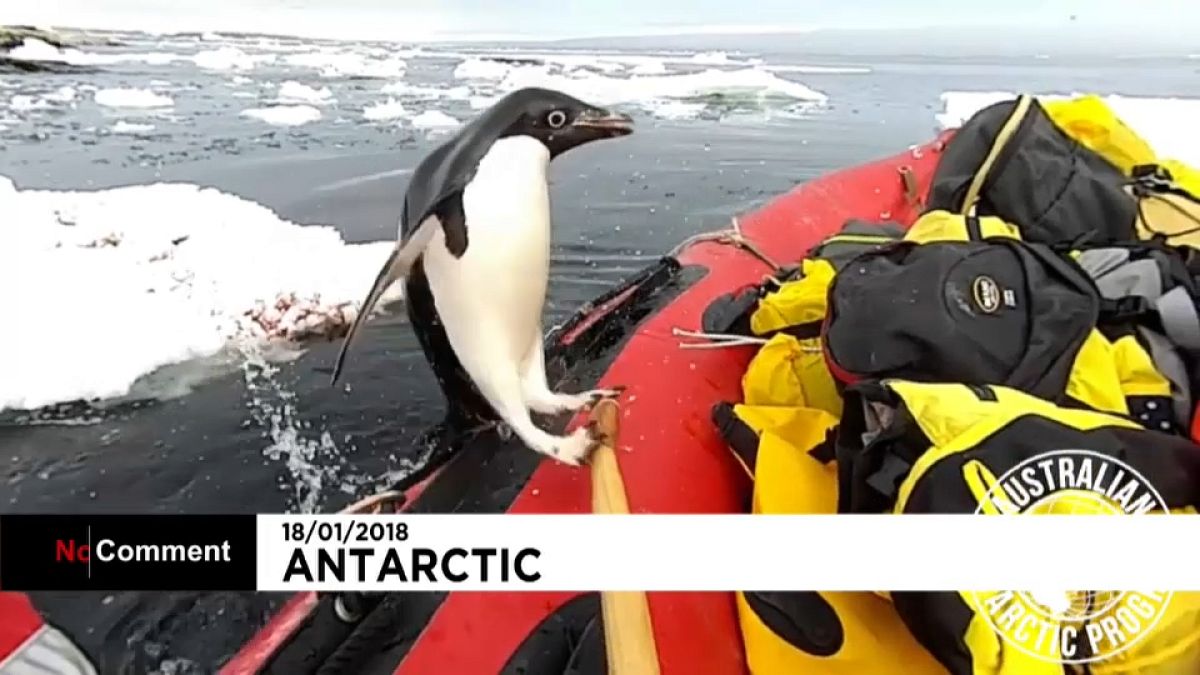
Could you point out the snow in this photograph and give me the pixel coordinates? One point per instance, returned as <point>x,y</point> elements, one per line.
<point>132,279</point>
<point>132,98</point>
<point>284,115</point>
<point>1164,123</point>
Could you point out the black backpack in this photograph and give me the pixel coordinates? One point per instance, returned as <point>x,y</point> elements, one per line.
<point>999,311</point>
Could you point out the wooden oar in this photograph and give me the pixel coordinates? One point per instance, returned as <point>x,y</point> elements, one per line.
<point>628,632</point>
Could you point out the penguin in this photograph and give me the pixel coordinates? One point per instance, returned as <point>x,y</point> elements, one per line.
<point>474,251</point>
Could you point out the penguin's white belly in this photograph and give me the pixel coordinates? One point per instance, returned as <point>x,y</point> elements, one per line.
<point>491,299</point>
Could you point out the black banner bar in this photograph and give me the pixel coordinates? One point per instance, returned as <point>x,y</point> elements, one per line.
<point>127,552</point>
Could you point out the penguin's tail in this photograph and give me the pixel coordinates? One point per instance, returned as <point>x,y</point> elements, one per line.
<point>397,266</point>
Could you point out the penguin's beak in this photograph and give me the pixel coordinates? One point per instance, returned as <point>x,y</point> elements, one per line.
<point>607,122</point>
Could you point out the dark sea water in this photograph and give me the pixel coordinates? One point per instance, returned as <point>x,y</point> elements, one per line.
<point>280,439</point>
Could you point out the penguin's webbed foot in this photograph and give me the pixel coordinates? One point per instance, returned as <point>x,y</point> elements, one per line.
<point>554,403</point>
<point>597,395</point>
<point>577,448</point>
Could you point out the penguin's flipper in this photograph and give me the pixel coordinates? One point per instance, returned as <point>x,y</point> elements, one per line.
<point>398,265</point>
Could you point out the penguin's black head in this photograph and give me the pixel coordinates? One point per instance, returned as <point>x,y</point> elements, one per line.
<point>561,122</point>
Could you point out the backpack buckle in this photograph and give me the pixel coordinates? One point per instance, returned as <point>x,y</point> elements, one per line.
<point>1129,308</point>
<point>1152,177</point>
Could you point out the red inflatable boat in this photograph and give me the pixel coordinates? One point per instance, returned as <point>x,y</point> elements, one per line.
<point>670,456</point>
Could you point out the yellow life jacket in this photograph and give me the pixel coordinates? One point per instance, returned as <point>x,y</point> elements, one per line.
<point>1091,122</point>
<point>946,448</point>
<point>814,632</point>
<point>790,369</point>
<point>1172,213</point>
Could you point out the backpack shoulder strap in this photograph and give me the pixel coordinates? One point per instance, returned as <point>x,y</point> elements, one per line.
<point>1006,133</point>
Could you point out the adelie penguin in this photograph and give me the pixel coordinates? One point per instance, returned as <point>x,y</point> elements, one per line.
<point>474,251</point>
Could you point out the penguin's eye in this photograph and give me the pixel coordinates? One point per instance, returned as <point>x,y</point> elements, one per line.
<point>556,119</point>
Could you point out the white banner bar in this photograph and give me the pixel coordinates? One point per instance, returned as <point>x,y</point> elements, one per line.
<point>726,552</point>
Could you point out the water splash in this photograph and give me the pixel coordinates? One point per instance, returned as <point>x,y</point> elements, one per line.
<point>311,457</point>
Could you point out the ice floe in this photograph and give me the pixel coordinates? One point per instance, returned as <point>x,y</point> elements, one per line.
<point>481,69</point>
<point>127,280</point>
<point>123,127</point>
<point>417,91</point>
<point>743,86</point>
<point>818,70</point>
<point>64,94</point>
<point>292,91</point>
<point>342,63</point>
<point>230,58</point>
<point>434,120</point>
<point>132,98</point>
<point>30,102</point>
<point>712,58</point>
<point>33,49</point>
<point>284,115</point>
<point>479,63</point>
<point>26,103</point>
<point>385,110</point>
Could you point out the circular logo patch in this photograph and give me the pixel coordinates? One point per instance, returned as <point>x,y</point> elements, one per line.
<point>987,294</point>
<point>1070,627</point>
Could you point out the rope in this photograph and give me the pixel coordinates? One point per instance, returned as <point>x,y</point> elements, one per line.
<point>732,236</point>
<point>718,340</point>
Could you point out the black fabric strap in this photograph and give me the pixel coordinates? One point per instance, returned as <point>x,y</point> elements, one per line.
<point>974,230</point>
<point>886,480</point>
<point>826,451</point>
<point>741,438</point>
<point>804,619</point>
<point>730,313</point>
<point>804,331</point>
